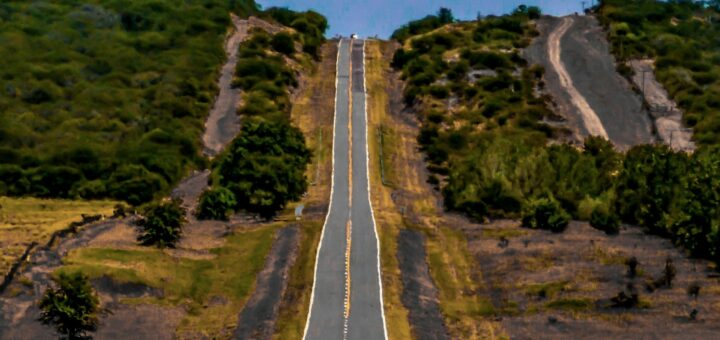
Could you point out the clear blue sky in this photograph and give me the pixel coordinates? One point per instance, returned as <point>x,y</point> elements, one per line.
<point>382,17</point>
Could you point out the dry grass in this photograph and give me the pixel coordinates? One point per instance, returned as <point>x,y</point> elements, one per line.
<point>416,206</point>
<point>186,282</point>
<point>387,217</point>
<point>27,220</point>
<point>313,112</point>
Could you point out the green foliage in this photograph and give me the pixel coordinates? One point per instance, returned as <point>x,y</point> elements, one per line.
<point>101,98</point>
<point>647,185</point>
<point>216,204</point>
<point>265,166</point>
<point>283,42</point>
<point>605,220</point>
<point>490,154</point>
<point>72,307</point>
<point>310,25</point>
<point>424,25</point>
<point>545,213</point>
<point>162,224</point>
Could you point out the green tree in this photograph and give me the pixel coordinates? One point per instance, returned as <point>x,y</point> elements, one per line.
<point>162,224</point>
<point>265,166</point>
<point>445,16</point>
<point>71,306</point>
<point>647,185</point>
<point>216,204</point>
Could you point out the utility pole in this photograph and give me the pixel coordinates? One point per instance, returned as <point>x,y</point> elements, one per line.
<point>645,100</point>
<point>583,5</point>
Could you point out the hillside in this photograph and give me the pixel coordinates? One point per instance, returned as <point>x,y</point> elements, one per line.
<point>551,223</point>
<point>680,39</point>
<point>107,98</point>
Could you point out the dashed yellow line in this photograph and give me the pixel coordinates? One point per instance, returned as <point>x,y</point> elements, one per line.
<point>348,280</point>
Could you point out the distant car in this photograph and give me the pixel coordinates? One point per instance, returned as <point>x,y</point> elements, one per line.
<point>353,36</point>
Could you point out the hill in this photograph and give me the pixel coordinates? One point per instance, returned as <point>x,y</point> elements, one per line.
<point>107,98</point>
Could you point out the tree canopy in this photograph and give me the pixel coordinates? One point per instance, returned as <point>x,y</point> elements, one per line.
<point>71,306</point>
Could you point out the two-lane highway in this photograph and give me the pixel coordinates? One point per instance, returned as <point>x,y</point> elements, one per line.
<point>346,300</point>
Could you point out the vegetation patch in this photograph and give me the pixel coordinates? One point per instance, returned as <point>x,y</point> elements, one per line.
<point>571,304</point>
<point>490,152</point>
<point>681,37</point>
<point>265,166</point>
<point>27,220</point>
<point>106,99</point>
<point>187,282</point>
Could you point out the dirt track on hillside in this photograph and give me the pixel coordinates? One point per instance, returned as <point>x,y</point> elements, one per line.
<point>581,78</point>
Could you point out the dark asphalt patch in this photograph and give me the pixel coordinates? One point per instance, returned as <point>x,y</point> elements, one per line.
<point>419,293</point>
<point>257,319</point>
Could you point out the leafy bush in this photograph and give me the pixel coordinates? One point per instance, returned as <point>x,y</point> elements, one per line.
<point>605,220</point>
<point>283,42</point>
<point>545,213</point>
<point>216,204</point>
<point>71,306</point>
<point>424,25</point>
<point>162,224</point>
<point>265,166</point>
<point>310,25</point>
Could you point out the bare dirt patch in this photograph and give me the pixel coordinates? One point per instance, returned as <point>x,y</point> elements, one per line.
<point>665,112</point>
<point>560,285</point>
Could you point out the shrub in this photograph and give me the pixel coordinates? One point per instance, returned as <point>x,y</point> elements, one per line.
<point>71,306</point>
<point>545,213</point>
<point>216,204</point>
<point>605,220</point>
<point>162,224</point>
<point>283,42</point>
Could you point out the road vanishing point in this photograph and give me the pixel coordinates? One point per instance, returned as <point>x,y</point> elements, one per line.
<point>346,301</point>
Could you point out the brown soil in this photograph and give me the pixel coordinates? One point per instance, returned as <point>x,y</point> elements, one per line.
<point>257,320</point>
<point>531,273</point>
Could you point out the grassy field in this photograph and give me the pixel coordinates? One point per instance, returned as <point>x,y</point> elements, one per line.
<point>186,282</point>
<point>27,220</point>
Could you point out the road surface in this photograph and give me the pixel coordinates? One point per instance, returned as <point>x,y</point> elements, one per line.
<point>580,76</point>
<point>346,300</point>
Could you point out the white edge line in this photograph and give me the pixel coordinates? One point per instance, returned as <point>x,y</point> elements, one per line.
<point>332,189</point>
<point>372,213</point>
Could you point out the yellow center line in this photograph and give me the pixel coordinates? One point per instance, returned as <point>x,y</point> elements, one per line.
<point>348,225</point>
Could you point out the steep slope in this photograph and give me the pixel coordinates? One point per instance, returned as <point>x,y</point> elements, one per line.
<point>581,78</point>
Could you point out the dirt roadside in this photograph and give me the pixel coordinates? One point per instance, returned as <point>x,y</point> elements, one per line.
<point>560,285</point>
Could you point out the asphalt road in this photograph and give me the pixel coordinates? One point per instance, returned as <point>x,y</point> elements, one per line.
<point>587,89</point>
<point>336,313</point>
